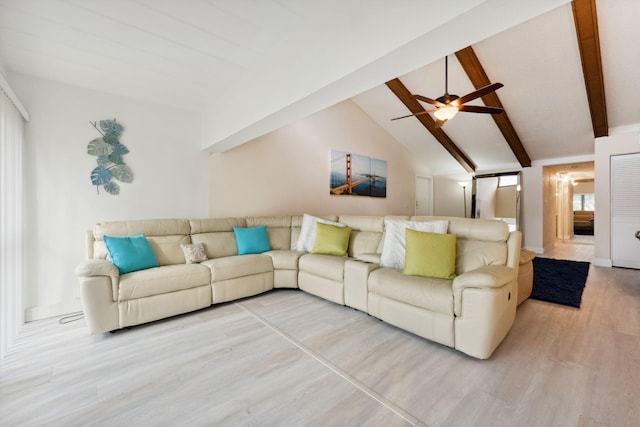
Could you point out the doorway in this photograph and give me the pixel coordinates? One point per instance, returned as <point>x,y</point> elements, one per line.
<point>569,206</point>
<point>569,210</point>
<point>424,196</point>
<point>567,190</point>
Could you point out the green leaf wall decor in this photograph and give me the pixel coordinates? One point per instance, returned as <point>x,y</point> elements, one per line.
<point>100,175</point>
<point>110,138</point>
<point>110,126</point>
<point>112,188</point>
<point>122,173</point>
<point>109,152</point>
<point>116,158</point>
<point>120,149</point>
<point>98,147</point>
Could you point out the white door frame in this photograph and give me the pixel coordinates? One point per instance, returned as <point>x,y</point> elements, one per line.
<point>428,183</point>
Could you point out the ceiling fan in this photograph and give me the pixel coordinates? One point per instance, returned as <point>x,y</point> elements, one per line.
<point>448,105</point>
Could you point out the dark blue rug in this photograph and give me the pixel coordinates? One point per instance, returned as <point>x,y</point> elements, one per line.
<point>559,281</point>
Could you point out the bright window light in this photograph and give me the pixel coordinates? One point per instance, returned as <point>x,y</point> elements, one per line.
<point>508,180</point>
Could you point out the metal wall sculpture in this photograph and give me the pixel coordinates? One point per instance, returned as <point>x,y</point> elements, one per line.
<point>109,152</point>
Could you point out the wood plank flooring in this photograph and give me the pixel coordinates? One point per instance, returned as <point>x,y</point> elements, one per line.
<point>286,358</point>
<point>580,248</point>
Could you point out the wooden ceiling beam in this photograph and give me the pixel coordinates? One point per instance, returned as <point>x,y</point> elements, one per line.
<point>586,21</point>
<point>403,94</point>
<point>472,66</point>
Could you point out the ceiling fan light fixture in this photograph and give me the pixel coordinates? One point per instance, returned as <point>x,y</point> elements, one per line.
<point>445,113</point>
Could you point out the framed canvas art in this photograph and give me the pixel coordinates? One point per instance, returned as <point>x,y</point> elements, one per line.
<point>357,175</point>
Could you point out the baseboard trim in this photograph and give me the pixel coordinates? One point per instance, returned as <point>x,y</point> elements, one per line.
<point>535,249</point>
<point>602,262</point>
<point>47,311</point>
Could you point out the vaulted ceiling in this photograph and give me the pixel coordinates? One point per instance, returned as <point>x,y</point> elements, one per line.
<point>253,66</point>
<point>545,94</point>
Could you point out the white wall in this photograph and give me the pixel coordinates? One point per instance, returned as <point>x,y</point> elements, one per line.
<point>617,143</point>
<point>287,170</point>
<point>448,195</point>
<point>61,203</point>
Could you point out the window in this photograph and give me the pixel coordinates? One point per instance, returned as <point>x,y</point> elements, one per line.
<point>11,214</point>
<point>507,180</point>
<point>584,202</point>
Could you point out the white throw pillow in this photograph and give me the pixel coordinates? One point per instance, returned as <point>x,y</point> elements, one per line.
<point>307,237</point>
<point>395,240</point>
<point>194,253</point>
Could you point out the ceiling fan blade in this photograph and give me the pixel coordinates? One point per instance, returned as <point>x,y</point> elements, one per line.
<point>428,100</point>
<point>412,115</point>
<point>481,109</point>
<point>480,92</point>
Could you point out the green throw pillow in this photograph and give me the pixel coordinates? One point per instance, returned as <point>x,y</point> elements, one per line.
<point>331,240</point>
<point>430,254</point>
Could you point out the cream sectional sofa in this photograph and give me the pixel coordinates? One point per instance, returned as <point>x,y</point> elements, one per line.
<point>471,313</point>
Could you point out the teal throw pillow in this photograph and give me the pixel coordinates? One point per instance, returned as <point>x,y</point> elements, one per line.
<point>252,240</point>
<point>130,253</point>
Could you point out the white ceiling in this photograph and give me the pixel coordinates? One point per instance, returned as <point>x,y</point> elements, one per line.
<point>187,52</point>
<point>253,65</point>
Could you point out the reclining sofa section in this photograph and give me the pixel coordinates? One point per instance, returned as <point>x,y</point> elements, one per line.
<point>472,312</point>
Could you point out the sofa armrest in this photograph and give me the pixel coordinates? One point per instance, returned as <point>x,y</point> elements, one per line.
<point>513,250</point>
<point>356,277</point>
<point>485,308</point>
<point>100,267</point>
<point>487,277</point>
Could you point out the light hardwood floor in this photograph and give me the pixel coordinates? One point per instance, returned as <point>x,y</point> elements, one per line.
<point>287,358</point>
<point>580,248</point>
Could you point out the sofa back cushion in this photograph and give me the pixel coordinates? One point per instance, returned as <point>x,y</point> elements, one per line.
<point>366,233</point>
<point>164,235</point>
<point>296,226</point>
<point>480,242</point>
<point>278,229</point>
<point>217,235</point>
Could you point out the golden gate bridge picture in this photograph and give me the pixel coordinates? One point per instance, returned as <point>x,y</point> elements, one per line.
<point>357,175</point>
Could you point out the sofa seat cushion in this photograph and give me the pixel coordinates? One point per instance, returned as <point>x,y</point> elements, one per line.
<point>162,280</point>
<point>285,260</point>
<point>424,292</point>
<point>232,267</point>
<point>328,266</point>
